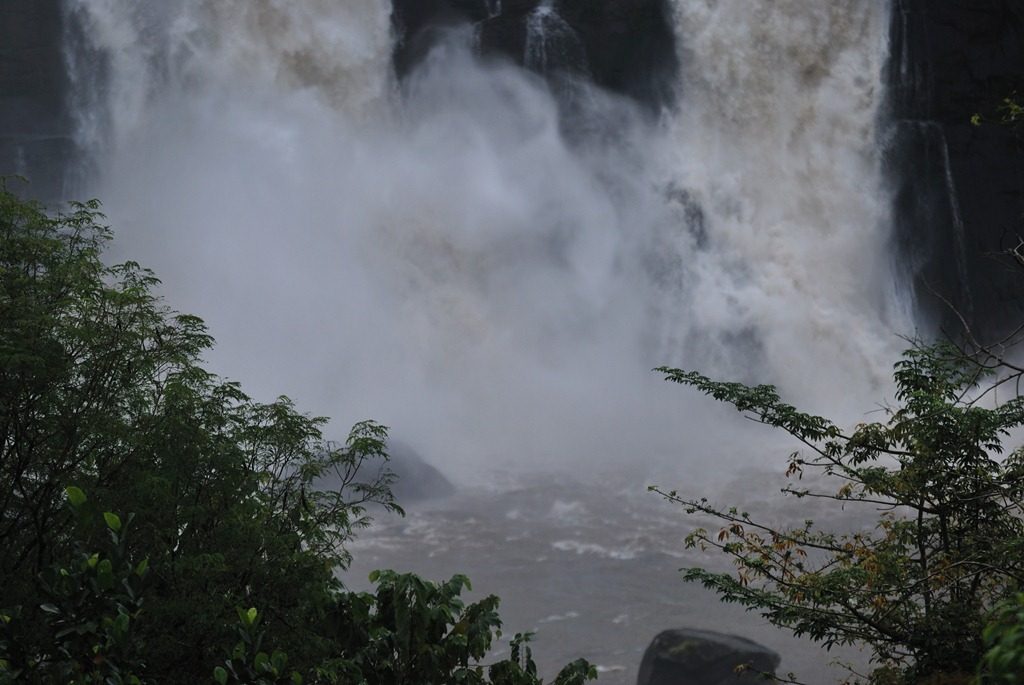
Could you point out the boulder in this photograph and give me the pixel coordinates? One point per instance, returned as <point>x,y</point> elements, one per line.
<point>417,480</point>
<point>685,656</point>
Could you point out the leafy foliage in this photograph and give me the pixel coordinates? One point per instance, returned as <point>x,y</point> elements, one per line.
<point>91,606</point>
<point>1009,111</point>
<point>1003,663</point>
<point>102,387</point>
<point>103,391</point>
<point>249,665</point>
<point>413,631</point>
<point>947,547</point>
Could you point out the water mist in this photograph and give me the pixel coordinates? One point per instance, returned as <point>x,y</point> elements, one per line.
<point>491,261</point>
<point>451,258</point>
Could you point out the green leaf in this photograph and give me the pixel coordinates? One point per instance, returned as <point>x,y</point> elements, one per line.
<point>142,567</point>
<point>220,675</point>
<point>248,617</point>
<point>105,574</point>
<point>75,496</point>
<point>113,521</point>
<point>121,624</point>
<point>50,608</point>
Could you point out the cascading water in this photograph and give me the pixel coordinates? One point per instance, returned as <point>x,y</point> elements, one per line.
<point>551,43</point>
<point>448,258</point>
<point>776,141</point>
<point>959,232</point>
<point>453,238</point>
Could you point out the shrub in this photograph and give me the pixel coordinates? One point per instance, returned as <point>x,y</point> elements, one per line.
<point>946,548</point>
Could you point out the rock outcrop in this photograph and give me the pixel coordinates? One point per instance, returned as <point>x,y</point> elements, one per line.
<point>701,657</point>
<point>417,480</point>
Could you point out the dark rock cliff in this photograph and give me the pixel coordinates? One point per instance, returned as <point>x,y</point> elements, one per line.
<point>959,186</point>
<point>35,137</point>
<point>626,46</point>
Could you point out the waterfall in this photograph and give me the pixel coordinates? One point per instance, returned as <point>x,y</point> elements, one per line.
<point>959,232</point>
<point>448,258</point>
<point>551,43</point>
<point>776,141</point>
<point>132,52</point>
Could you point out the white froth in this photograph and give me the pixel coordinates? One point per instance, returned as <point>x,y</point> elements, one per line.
<point>448,263</point>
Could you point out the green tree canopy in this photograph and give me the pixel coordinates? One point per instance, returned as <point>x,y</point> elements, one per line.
<point>947,546</point>
<point>102,387</point>
<point>152,515</point>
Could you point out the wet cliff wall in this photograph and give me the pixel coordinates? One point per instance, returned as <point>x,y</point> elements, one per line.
<point>35,130</point>
<point>958,183</point>
<point>626,46</point>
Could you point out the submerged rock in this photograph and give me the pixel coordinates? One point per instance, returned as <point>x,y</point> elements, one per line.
<point>684,656</point>
<point>417,480</point>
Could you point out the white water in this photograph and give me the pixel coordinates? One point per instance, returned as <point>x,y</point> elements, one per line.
<point>551,44</point>
<point>443,260</point>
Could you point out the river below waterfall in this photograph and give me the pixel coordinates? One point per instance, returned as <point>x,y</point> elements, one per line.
<point>591,565</point>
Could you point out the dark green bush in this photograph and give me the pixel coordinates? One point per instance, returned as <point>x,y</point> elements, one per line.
<point>103,391</point>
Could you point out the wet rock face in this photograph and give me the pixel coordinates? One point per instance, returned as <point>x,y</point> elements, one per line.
<point>959,187</point>
<point>630,44</point>
<point>701,657</point>
<point>627,46</point>
<point>34,128</point>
